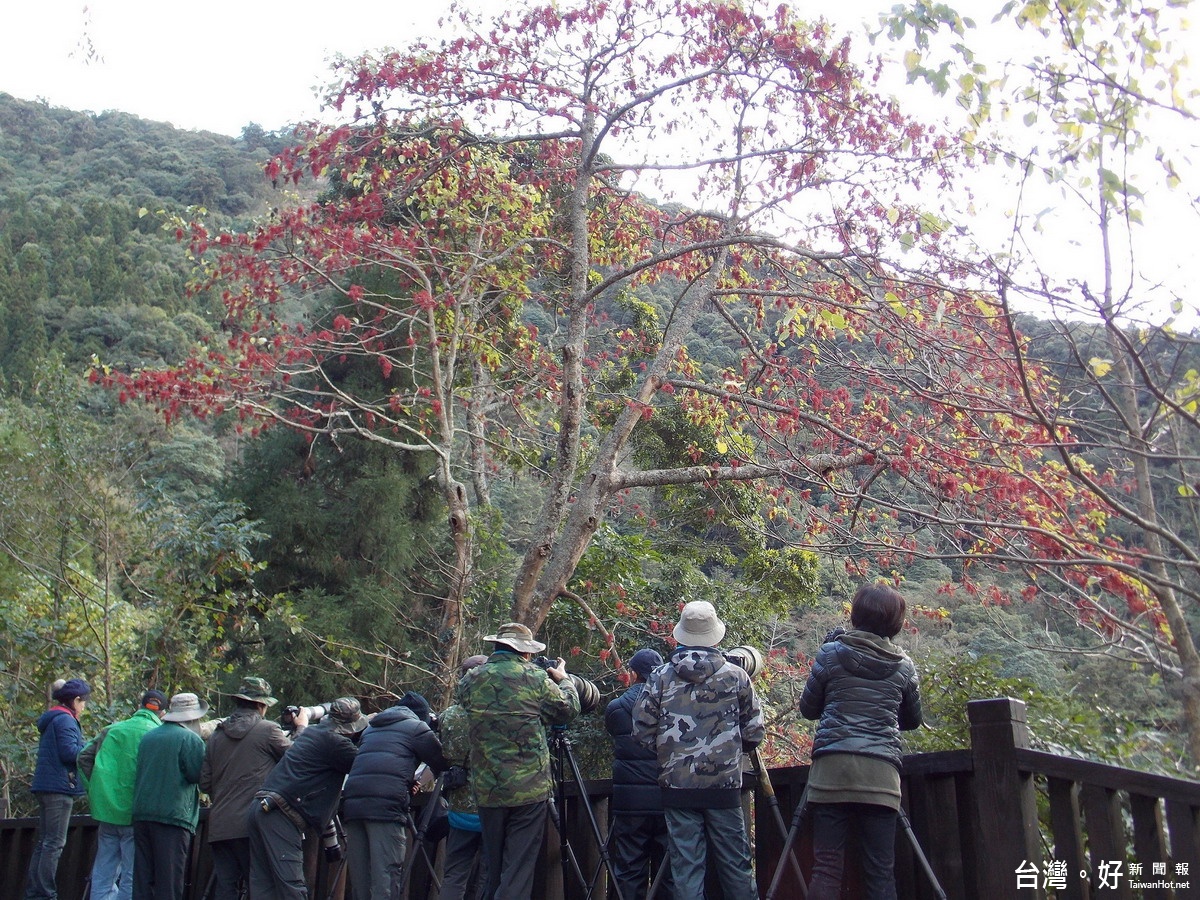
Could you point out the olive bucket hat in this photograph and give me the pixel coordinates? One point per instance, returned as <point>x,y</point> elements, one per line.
<point>256,690</point>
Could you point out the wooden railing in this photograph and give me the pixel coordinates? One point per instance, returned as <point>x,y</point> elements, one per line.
<point>996,821</point>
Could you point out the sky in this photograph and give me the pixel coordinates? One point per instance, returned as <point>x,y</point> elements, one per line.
<point>223,64</point>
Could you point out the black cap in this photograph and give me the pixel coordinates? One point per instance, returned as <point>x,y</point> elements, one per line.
<point>154,700</point>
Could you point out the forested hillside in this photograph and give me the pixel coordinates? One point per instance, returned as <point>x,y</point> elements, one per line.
<point>184,555</point>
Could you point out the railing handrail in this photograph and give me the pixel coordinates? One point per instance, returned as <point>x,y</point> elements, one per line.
<point>1134,781</point>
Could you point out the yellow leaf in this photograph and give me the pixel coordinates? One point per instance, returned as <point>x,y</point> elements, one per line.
<point>1100,367</point>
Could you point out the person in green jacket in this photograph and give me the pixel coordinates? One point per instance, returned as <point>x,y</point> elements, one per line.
<point>166,800</point>
<point>108,764</point>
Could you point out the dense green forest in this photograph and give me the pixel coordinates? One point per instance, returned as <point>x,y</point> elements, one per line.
<point>135,553</point>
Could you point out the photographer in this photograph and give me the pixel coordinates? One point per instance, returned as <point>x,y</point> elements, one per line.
<point>241,753</point>
<point>375,799</point>
<point>698,713</point>
<point>509,702</point>
<point>463,844</point>
<point>301,794</point>
<point>864,690</point>
<point>638,830</point>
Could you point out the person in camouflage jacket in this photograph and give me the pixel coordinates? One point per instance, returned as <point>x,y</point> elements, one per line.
<point>509,702</point>
<point>465,867</point>
<point>699,713</point>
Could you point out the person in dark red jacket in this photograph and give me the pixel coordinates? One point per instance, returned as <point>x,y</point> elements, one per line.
<point>864,690</point>
<point>56,784</point>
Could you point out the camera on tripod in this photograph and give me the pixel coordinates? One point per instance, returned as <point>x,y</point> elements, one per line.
<point>747,658</point>
<point>589,694</point>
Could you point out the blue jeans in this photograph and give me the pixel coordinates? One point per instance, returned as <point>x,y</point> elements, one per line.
<point>875,828</point>
<point>112,869</point>
<point>692,833</point>
<point>54,816</point>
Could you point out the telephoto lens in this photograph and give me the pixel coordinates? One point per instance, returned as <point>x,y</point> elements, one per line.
<point>589,694</point>
<point>746,657</point>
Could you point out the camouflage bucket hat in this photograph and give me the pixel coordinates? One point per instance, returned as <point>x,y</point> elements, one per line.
<point>256,690</point>
<point>516,636</point>
<point>345,716</point>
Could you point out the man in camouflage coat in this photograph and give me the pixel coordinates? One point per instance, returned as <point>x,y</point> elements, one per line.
<point>699,713</point>
<point>509,701</point>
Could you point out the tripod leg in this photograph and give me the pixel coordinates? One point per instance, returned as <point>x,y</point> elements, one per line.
<point>920,854</point>
<point>788,852</point>
<point>768,789</point>
<point>605,859</point>
<point>659,875</point>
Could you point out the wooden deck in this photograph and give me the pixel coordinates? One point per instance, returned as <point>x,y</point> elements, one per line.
<point>997,821</point>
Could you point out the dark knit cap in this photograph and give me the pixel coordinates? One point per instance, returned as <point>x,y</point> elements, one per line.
<point>417,704</point>
<point>72,688</point>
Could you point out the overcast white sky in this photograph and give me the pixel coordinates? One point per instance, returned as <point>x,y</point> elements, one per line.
<point>215,65</point>
<point>221,64</point>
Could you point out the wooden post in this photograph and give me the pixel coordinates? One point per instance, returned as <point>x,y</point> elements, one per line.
<point>1007,802</point>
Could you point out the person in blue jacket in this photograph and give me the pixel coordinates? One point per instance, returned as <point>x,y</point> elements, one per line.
<point>56,784</point>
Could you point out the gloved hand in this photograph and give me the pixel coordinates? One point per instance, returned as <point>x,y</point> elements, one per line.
<point>834,634</point>
<point>455,777</point>
<point>334,853</point>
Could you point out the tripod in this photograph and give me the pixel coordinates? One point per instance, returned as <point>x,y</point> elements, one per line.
<point>794,832</point>
<point>417,843</point>
<point>561,758</point>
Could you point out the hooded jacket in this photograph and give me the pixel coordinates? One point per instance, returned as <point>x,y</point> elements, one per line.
<point>635,790</point>
<point>241,752</point>
<point>58,748</point>
<point>699,713</point>
<point>864,690</point>
<point>109,766</point>
<point>392,747</point>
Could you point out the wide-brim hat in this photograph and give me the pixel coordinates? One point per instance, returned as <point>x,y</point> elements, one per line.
<point>699,626</point>
<point>518,637</point>
<point>256,690</point>
<point>185,708</point>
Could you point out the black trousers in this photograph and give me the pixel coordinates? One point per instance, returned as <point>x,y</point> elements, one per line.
<point>160,857</point>
<point>231,868</point>
<point>512,840</point>
<point>638,846</point>
<point>276,856</point>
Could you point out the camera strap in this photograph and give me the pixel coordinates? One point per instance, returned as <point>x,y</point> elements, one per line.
<point>272,801</point>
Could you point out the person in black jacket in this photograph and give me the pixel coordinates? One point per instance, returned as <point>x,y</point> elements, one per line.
<point>864,690</point>
<point>637,836</point>
<point>375,798</point>
<point>301,794</point>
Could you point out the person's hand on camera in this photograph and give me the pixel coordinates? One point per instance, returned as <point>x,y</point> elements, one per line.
<point>559,670</point>
<point>833,634</point>
<point>300,719</point>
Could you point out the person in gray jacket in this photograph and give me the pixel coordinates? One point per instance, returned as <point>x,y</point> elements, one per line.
<point>864,690</point>
<point>699,713</point>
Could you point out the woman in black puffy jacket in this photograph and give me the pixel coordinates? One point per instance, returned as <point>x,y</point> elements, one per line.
<point>864,690</point>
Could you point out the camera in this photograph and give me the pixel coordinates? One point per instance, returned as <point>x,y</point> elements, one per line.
<point>833,634</point>
<point>747,658</point>
<point>589,694</point>
<point>287,718</point>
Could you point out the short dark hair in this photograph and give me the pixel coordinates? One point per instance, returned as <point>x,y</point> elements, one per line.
<point>878,609</point>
